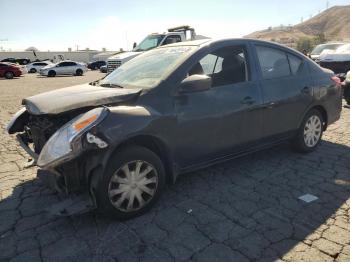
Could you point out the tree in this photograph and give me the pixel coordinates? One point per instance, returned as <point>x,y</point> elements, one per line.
<point>308,43</point>
<point>319,39</point>
<point>305,43</point>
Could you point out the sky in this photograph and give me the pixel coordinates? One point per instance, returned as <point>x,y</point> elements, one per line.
<point>58,25</point>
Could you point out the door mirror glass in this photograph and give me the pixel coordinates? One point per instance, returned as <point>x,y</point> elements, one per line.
<point>195,83</point>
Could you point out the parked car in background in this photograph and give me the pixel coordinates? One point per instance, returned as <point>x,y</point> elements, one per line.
<point>338,60</point>
<point>172,110</point>
<point>36,66</point>
<point>64,68</point>
<point>9,70</point>
<point>96,65</point>
<point>346,84</point>
<point>103,69</point>
<point>323,48</point>
<point>21,61</point>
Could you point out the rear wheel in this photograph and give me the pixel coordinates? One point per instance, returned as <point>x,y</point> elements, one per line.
<point>310,132</point>
<point>51,73</point>
<point>79,72</point>
<point>32,70</point>
<point>131,184</point>
<point>9,75</point>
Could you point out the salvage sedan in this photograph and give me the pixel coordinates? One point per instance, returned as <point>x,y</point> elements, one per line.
<point>116,142</point>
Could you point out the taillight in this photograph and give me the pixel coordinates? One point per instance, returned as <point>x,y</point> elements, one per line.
<point>336,80</point>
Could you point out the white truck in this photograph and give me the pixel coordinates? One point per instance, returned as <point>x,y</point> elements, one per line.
<point>174,35</point>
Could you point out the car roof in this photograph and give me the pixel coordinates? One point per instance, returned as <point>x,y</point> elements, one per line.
<point>203,42</point>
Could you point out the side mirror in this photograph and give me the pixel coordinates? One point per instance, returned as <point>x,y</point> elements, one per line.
<point>134,45</point>
<point>195,83</point>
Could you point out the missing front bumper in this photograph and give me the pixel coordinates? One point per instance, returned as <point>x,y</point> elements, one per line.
<point>70,204</point>
<point>26,148</point>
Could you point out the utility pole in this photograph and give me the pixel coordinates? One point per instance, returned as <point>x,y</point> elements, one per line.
<point>327,5</point>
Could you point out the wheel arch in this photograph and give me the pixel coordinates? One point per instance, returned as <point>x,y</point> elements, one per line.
<point>157,146</point>
<point>322,110</point>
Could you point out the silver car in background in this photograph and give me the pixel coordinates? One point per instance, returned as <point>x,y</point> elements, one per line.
<point>36,66</point>
<point>64,68</point>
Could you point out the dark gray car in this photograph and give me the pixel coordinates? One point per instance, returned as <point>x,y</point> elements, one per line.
<point>171,110</point>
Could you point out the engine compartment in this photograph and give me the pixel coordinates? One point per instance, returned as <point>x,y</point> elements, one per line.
<point>39,128</point>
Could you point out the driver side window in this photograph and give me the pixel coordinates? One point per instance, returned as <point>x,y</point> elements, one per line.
<point>225,66</point>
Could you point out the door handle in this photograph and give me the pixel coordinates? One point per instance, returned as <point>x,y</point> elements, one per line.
<point>305,90</point>
<point>247,100</point>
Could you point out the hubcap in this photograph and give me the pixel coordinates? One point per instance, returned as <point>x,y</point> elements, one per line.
<point>132,186</point>
<point>312,131</point>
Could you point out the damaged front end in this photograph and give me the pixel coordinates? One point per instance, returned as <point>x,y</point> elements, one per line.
<point>64,147</point>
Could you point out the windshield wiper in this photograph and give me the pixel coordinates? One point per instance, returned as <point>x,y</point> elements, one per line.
<point>111,85</point>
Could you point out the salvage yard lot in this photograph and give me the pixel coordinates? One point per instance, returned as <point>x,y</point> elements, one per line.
<point>243,210</point>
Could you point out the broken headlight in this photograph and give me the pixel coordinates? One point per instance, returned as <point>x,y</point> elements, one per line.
<point>65,143</point>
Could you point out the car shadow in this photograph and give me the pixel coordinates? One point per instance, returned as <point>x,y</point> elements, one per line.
<point>3,78</point>
<point>249,205</point>
<point>57,76</point>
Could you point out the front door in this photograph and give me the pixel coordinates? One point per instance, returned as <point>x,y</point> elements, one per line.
<point>216,122</point>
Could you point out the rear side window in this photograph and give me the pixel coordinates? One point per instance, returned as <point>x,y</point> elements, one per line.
<point>172,39</point>
<point>273,62</point>
<point>296,64</point>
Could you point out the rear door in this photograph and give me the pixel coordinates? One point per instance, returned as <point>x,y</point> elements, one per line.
<point>286,89</point>
<point>71,67</point>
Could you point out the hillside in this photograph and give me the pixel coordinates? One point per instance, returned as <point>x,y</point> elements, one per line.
<point>333,23</point>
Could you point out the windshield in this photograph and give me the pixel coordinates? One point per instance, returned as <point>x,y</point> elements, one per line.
<point>343,49</point>
<point>318,49</point>
<point>148,69</point>
<point>149,42</point>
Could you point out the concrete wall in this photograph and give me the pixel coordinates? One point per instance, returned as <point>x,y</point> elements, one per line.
<point>79,56</point>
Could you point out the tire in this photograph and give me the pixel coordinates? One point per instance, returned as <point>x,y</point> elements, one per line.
<point>51,73</point>
<point>310,132</point>
<point>32,70</point>
<point>79,72</point>
<point>347,94</point>
<point>9,75</point>
<point>25,62</point>
<point>115,204</point>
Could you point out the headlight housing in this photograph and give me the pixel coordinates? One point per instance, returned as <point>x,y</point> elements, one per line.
<point>65,143</point>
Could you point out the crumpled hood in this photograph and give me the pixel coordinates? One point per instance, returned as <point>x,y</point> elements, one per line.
<point>80,96</point>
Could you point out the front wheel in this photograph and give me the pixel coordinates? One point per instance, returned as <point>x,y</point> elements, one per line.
<point>51,73</point>
<point>310,132</point>
<point>131,184</point>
